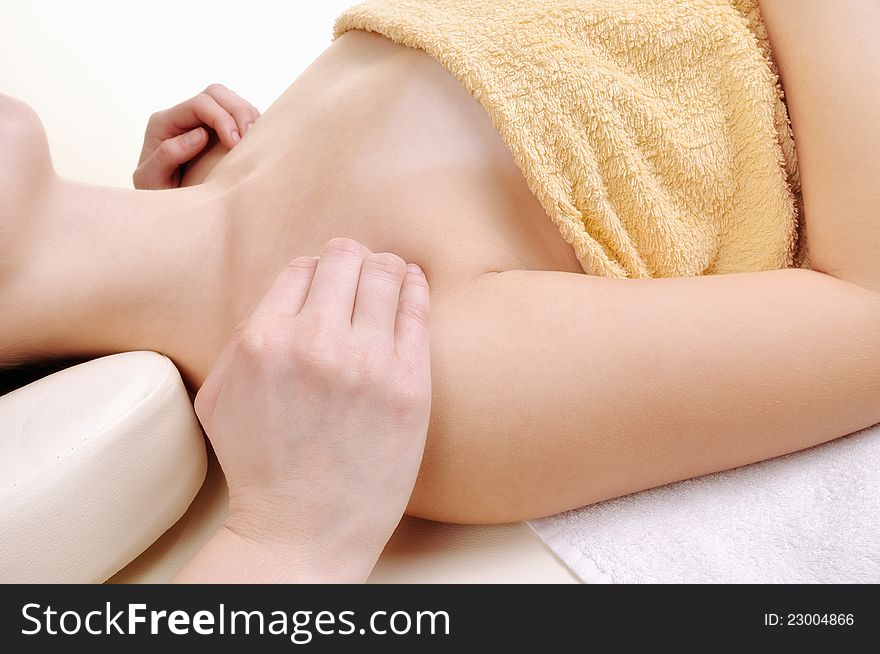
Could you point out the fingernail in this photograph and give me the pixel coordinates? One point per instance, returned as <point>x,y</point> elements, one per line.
<point>193,136</point>
<point>247,128</point>
<point>413,268</point>
<point>236,137</point>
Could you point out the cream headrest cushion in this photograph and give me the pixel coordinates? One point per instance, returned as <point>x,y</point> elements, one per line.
<point>96,462</point>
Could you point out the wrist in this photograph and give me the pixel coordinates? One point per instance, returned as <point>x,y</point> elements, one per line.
<point>287,562</point>
<point>306,546</point>
<point>229,557</point>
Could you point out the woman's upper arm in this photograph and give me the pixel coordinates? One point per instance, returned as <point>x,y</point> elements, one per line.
<point>554,390</point>
<point>828,54</point>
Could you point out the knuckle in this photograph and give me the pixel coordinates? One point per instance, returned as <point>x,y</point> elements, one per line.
<point>214,88</point>
<point>252,343</point>
<point>203,102</point>
<point>261,345</point>
<point>228,123</point>
<point>238,105</point>
<point>163,152</point>
<point>155,118</point>
<point>312,349</point>
<point>344,246</point>
<point>386,263</point>
<point>360,374</point>
<point>316,364</point>
<point>406,399</point>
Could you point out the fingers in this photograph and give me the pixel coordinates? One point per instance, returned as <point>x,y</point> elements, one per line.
<point>282,301</point>
<point>224,111</point>
<point>242,111</point>
<point>335,284</point>
<point>378,292</point>
<point>200,110</point>
<point>411,333</point>
<point>288,293</point>
<point>378,296</point>
<point>161,169</point>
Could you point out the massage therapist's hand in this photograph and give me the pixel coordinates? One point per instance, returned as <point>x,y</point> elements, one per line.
<point>177,135</point>
<point>318,411</point>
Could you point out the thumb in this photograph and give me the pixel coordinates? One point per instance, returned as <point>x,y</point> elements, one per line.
<point>158,171</point>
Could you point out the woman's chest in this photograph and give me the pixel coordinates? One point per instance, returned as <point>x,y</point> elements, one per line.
<point>377,142</point>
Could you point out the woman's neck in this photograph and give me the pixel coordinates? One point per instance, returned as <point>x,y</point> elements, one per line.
<point>103,270</point>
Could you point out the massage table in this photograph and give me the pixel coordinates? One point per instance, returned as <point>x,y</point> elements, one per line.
<point>105,475</point>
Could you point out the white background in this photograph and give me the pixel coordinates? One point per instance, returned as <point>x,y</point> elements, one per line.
<point>95,70</point>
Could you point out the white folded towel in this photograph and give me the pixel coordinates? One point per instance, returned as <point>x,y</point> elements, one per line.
<point>811,516</point>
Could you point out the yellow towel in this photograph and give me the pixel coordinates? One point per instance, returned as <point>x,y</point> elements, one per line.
<point>653,132</point>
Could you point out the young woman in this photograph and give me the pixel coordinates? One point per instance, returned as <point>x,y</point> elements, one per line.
<point>551,388</point>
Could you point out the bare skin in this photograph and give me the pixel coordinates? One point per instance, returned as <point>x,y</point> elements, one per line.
<point>551,389</point>
<point>336,357</point>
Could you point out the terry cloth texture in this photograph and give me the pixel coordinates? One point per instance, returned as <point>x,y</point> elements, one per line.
<point>653,132</point>
<point>806,518</point>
